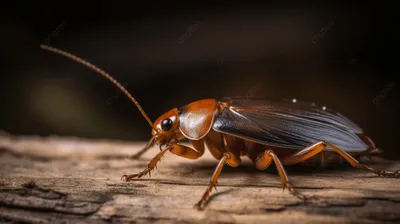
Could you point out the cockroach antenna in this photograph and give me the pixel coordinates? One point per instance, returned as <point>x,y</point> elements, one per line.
<point>101,72</point>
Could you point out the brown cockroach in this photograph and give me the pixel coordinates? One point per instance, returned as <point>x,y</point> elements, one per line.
<point>265,131</point>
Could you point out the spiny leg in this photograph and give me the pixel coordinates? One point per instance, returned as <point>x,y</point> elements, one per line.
<point>228,158</point>
<point>143,150</point>
<point>150,166</point>
<point>264,161</point>
<point>320,146</point>
<point>176,149</point>
<point>355,163</point>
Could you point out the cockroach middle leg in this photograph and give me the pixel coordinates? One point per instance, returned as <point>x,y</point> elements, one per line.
<point>264,161</point>
<point>228,158</point>
<point>318,147</point>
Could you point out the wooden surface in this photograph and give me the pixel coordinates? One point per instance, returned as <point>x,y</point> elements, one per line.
<point>70,180</point>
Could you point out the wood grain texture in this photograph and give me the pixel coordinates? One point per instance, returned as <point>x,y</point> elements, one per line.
<point>71,180</point>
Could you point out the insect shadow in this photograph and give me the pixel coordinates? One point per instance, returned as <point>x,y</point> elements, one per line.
<point>247,168</point>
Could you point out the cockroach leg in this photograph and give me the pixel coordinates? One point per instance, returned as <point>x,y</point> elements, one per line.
<point>370,153</point>
<point>305,154</point>
<point>143,150</point>
<point>150,166</point>
<point>215,144</point>
<point>381,173</point>
<point>188,152</point>
<point>323,158</point>
<point>228,158</point>
<point>139,154</point>
<point>264,161</point>
<point>355,163</point>
<point>320,146</point>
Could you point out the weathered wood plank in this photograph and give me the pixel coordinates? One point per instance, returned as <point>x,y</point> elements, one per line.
<point>47,180</point>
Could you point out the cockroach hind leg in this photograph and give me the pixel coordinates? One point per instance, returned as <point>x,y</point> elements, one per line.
<point>356,164</point>
<point>381,173</point>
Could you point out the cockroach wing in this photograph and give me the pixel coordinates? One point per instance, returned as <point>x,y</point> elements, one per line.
<point>288,125</point>
<point>305,109</point>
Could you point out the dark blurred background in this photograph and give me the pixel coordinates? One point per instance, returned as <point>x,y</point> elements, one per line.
<point>341,55</point>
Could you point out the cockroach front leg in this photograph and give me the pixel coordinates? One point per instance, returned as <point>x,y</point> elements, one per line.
<point>176,149</point>
<point>228,158</point>
<point>187,152</point>
<point>149,168</point>
<point>264,160</point>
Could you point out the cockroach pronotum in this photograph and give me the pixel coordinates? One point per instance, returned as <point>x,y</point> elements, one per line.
<point>286,133</point>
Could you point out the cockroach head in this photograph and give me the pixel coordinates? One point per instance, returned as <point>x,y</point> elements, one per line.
<point>166,126</point>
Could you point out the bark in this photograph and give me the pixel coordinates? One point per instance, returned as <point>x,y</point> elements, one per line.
<point>71,180</point>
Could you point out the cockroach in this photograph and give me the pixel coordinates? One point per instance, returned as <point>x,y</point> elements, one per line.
<point>263,130</point>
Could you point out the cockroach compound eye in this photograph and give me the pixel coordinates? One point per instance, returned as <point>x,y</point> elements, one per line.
<point>166,124</point>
